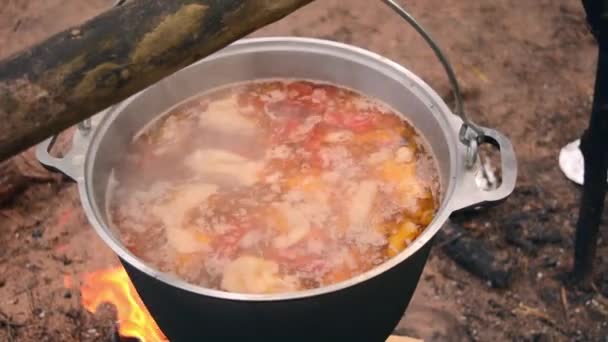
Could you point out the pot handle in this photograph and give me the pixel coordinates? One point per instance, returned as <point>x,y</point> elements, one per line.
<point>469,196</point>
<point>471,135</point>
<point>71,164</point>
<point>469,131</point>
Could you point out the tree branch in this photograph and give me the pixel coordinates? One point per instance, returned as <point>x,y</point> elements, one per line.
<point>83,70</point>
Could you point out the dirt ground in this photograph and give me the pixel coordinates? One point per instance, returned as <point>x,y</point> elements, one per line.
<point>527,68</point>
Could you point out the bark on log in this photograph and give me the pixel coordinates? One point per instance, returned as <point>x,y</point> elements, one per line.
<point>85,69</point>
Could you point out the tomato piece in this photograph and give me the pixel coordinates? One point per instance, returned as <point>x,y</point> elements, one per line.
<point>314,108</point>
<point>302,109</point>
<point>288,126</point>
<point>255,101</point>
<point>227,244</point>
<point>292,124</point>
<point>313,145</point>
<point>330,91</point>
<point>299,89</point>
<point>315,138</point>
<point>334,118</point>
<point>358,123</point>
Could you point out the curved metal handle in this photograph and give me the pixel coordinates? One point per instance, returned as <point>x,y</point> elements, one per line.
<point>468,194</point>
<point>469,132</point>
<point>71,164</point>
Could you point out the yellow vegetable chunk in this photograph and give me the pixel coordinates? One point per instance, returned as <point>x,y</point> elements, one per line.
<point>380,136</point>
<point>403,175</point>
<point>249,274</point>
<point>406,232</point>
<point>421,211</point>
<point>308,183</point>
<point>277,219</point>
<point>202,238</point>
<point>393,171</point>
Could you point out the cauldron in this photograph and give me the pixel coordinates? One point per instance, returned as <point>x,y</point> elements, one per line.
<point>364,308</point>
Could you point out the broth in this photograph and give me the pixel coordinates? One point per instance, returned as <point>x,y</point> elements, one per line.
<point>273,186</point>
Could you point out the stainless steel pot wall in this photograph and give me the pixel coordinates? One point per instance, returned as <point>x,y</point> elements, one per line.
<point>366,307</point>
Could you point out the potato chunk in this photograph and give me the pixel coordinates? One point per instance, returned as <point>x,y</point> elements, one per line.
<point>298,226</point>
<point>362,202</point>
<point>223,116</point>
<point>232,167</point>
<point>249,274</point>
<point>173,212</point>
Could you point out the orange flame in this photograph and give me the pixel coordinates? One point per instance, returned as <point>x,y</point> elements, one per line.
<point>113,286</point>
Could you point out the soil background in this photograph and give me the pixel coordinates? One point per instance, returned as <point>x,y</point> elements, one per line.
<point>527,69</point>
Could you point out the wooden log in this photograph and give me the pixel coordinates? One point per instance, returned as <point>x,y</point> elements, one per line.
<point>83,70</point>
<point>474,255</point>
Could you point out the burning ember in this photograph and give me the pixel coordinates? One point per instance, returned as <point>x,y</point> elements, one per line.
<point>113,286</point>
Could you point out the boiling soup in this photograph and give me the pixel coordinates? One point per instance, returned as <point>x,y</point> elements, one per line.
<point>273,186</point>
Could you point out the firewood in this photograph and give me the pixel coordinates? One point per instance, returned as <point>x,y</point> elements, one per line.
<point>474,255</point>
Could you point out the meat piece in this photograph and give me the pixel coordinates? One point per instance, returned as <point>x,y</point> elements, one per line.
<point>165,135</point>
<point>182,199</point>
<point>251,239</point>
<point>172,213</point>
<point>380,156</point>
<point>224,166</point>
<point>339,136</point>
<point>305,128</point>
<point>223,116</point>
<point>298,226</point>
<point>249,274</point>
<point>362,202</point>
<point>404,155</point>
<point>279,152</point>
<point>187,241</point>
